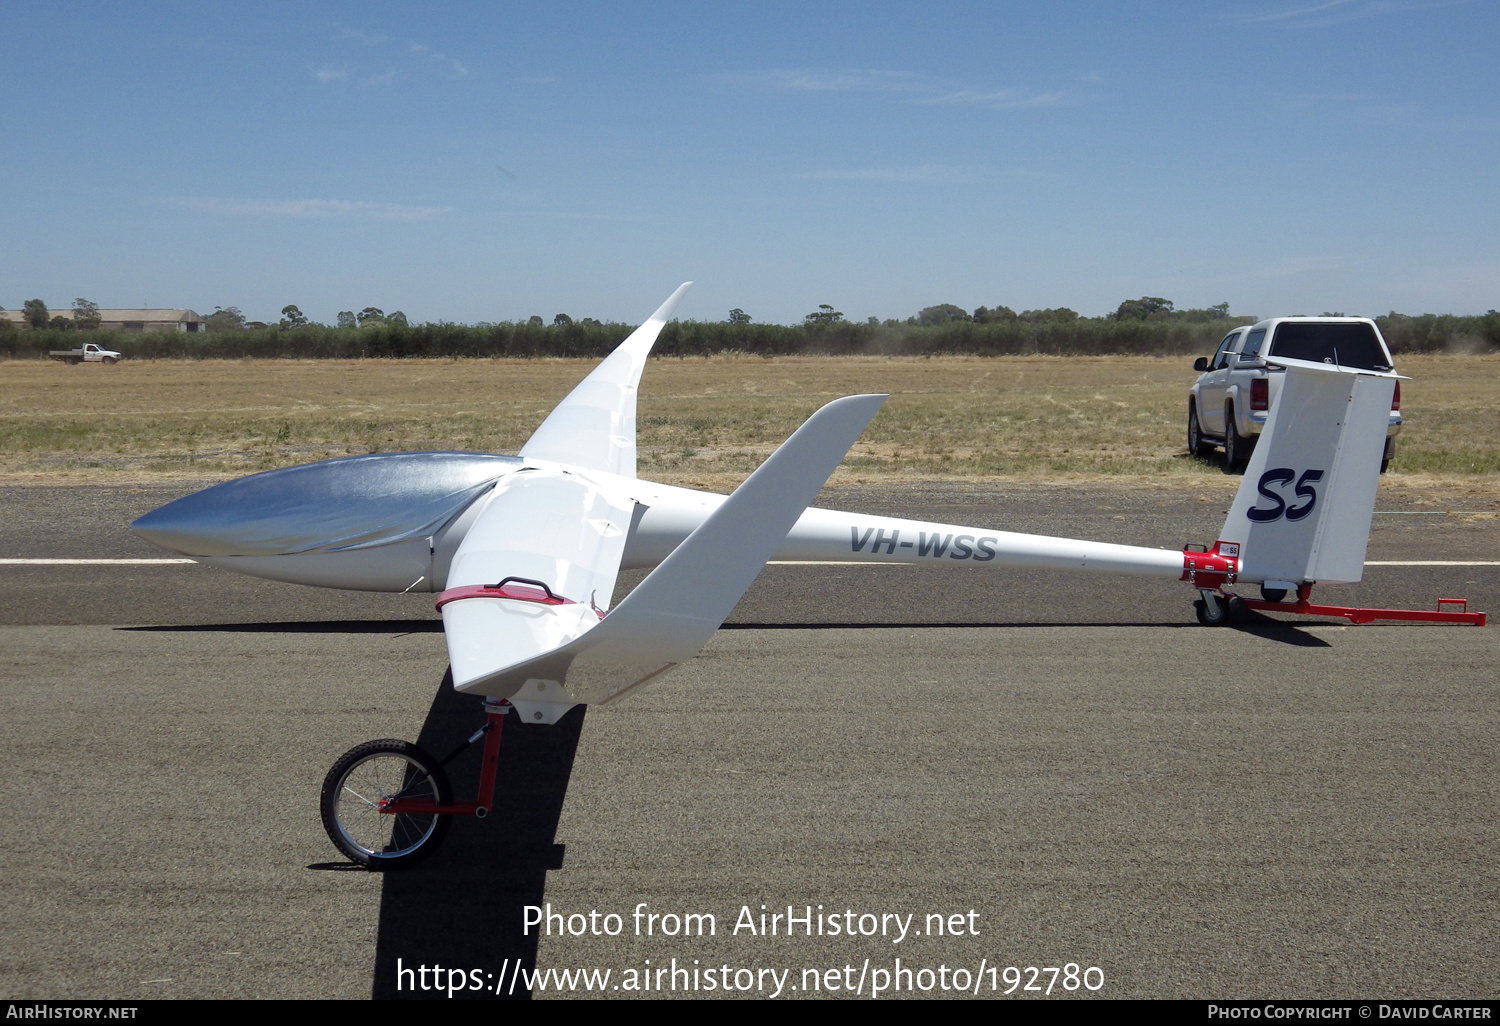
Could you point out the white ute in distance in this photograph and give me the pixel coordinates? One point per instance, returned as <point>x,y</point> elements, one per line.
<point>1230,402</point>
<point>88,353</point>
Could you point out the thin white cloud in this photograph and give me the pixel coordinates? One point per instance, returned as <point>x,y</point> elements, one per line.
<point>1300,12</point>
<point>578,215</point>
<point>361,36</point>
<point>1002,99</point>
<point>455,68</point>
<point>812,80</point>
<point>1332,12</point>
<point>401,63</point>
<point>916,88</point>
<point>925,174</point>
<point>307,209</point>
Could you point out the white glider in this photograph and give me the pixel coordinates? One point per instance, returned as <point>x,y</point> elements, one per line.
<point>524,551</point>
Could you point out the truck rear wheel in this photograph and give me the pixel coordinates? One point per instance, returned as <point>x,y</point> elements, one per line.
<point>1196,444</point>
<point>1236,445</point>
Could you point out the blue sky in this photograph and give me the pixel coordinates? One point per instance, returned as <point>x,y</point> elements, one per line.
<point>490,161</point>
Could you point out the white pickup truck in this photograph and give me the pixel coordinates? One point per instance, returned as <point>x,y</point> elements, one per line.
<point>1229,403</point>
<point>89,353</point>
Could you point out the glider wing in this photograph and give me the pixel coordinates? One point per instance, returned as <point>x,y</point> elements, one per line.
<point>535,571</point>
<point>678,607</point>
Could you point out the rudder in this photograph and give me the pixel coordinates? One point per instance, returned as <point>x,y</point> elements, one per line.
<point>1303,512</point>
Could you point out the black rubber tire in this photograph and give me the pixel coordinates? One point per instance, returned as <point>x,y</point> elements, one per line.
<point>1197,444</point>
<point>1236,445</point>
<point>72,361</point>
<point>111,359</point>
<point>356,783</point>
<point>1207,619</point>
<point>1272,594</point>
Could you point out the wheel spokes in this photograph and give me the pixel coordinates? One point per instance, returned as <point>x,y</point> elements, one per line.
<point>379,833</point>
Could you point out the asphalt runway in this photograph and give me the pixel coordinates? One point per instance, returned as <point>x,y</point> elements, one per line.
<point>1054,769</point>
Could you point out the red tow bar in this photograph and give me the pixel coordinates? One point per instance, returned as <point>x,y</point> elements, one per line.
<point>1357,615</point>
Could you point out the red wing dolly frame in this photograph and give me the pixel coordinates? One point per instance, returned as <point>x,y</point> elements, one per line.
<point>387,804</point>
<point>1362,616</point>
<point>1211,570</point>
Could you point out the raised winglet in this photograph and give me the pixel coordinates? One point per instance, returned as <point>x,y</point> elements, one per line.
<point>594,427</point>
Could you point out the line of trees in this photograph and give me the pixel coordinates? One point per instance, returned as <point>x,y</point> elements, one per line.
<point>34,312</point>
<point>1148,326</point>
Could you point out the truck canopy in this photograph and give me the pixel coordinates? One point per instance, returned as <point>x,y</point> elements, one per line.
<point>1349,344</point>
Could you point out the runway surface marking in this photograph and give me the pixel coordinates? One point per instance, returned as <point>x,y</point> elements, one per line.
<point>774,562</point>
<point>1432,562</point>
<point>91,562</point>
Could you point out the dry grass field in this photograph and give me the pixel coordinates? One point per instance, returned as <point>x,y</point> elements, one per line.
<point>702,422</point>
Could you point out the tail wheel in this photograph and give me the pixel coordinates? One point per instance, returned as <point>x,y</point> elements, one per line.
<point>1212,611</point>
<point>373,772</point>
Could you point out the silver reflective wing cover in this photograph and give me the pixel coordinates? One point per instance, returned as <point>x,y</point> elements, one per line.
<point>336,505</point>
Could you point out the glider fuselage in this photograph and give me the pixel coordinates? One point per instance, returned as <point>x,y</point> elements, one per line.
<point>393,522</point>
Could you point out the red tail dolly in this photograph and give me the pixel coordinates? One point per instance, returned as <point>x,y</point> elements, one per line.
<point>1357,615</point>
<point>1211,570</point>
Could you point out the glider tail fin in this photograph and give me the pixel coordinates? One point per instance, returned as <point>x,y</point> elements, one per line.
<point>1303,512</point>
